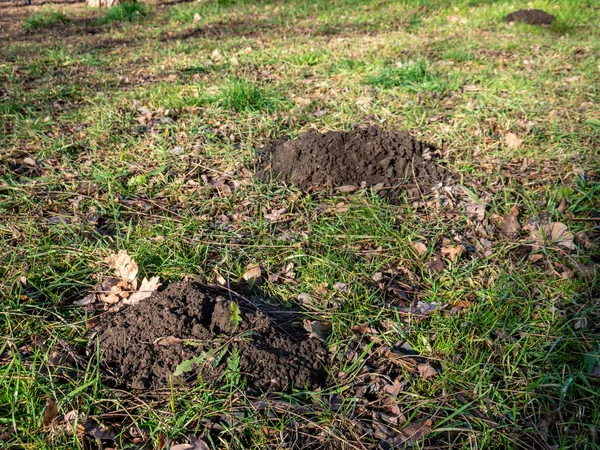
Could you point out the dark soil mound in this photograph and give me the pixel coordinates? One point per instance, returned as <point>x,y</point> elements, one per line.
<point>530,16</point>
<point>361,157</point>
<point>142,345</point>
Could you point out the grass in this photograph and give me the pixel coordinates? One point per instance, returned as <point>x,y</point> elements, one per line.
<point>516,362</point>
<point>44,19</point>
<point>125,12</point>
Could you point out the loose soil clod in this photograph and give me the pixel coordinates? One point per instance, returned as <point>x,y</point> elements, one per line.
<point>530,16</point>
<point>142,345</point>
<point>361,157</point>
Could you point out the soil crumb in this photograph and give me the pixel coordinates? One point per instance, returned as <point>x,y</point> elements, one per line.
<point>366,156</point>
<point>530,16</point>
<point>143,345</point>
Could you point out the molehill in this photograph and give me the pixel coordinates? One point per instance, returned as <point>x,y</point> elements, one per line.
<point>143,345</point>
<point>364,156</point>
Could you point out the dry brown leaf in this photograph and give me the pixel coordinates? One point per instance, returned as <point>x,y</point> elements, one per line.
<point>146,289</point>
<point>512,140</point>
<point>253,276</point>
<point>301,101</point>
<point>363,329</point>
<point>453,252</point>
<point>346,188</point>
<point>51,412</point>
<point>29,162</point>
<point>99,431</point>
<point>316,329</point>
<point>436,264</point>
<point>556,233</point>
<point>413,433</point>
<point>125,267</point>
<point>274,215</point>
<point>476,211</point>
<point>420,248</point>
<point>534,257</point>
<point>509,223</point>
<point>197,444</point>
<point>426,370</point>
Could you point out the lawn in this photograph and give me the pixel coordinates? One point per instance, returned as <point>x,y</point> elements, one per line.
<point>466,318</point>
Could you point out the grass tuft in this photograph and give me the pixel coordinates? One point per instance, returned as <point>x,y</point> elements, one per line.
<point>125,12</point>
<point>413,76</point>
<point>44,19</point>
<point>243,96</point>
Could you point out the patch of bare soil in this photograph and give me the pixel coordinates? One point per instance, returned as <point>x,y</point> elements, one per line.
<point>345,161</point>
<point>217,335</point>
<point>530,16</point>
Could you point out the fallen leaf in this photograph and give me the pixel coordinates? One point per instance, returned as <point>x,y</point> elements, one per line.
<point>125,267</point>
<point>426,308</point>
<point>346,189</point>
<point>51,412</point>
<point>146,289</point>
<point>363,329</point>
<point>412,433</point>
<point>196,444</point>
<point>436,264</point>
<point>460,305</point>
<point>274,215</point>
<point>420,248</point>
<point>453,252</point>
<point>99,431</point>
<point>509,223</point>
<point>512,140</point>
<point>72,425</point>
<point>555,233</point>
<point>253,276</point>
<point>301,101</point>
<point>29,161</point>
<point>167,340</point>
<point>316,329</point>
<point>476,211</point>
<point>534,257</point>
<point>426,370</point>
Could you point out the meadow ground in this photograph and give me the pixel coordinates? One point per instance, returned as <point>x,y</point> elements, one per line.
<point>138,128</point>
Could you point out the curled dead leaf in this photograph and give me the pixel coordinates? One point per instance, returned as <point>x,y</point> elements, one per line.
<point>436,264</point>
<point>420,248</point>
<point>426,370</point>
<point>316,329</point>
<point>509,223</point>
<point>453,252</point>
<point>146,289</point>
<point>51,412</point>
<point>476,211</point>
<point>346,189</point>
<point>125,267</point>
<point>412,433</point>
<point>253,276</point>
<point>556,233</point>
<point>512,140</point>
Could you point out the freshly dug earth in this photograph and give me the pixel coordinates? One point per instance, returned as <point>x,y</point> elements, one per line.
<point>142,345</point>
<point>362,157</point>
<point>530,16</point>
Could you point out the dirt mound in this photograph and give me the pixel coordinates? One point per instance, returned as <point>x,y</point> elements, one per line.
<point>530,16</point>
<point>221,335</point>
<point>362,157</point>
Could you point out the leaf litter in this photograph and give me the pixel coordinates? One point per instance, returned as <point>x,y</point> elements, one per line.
<point>123,288</point>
